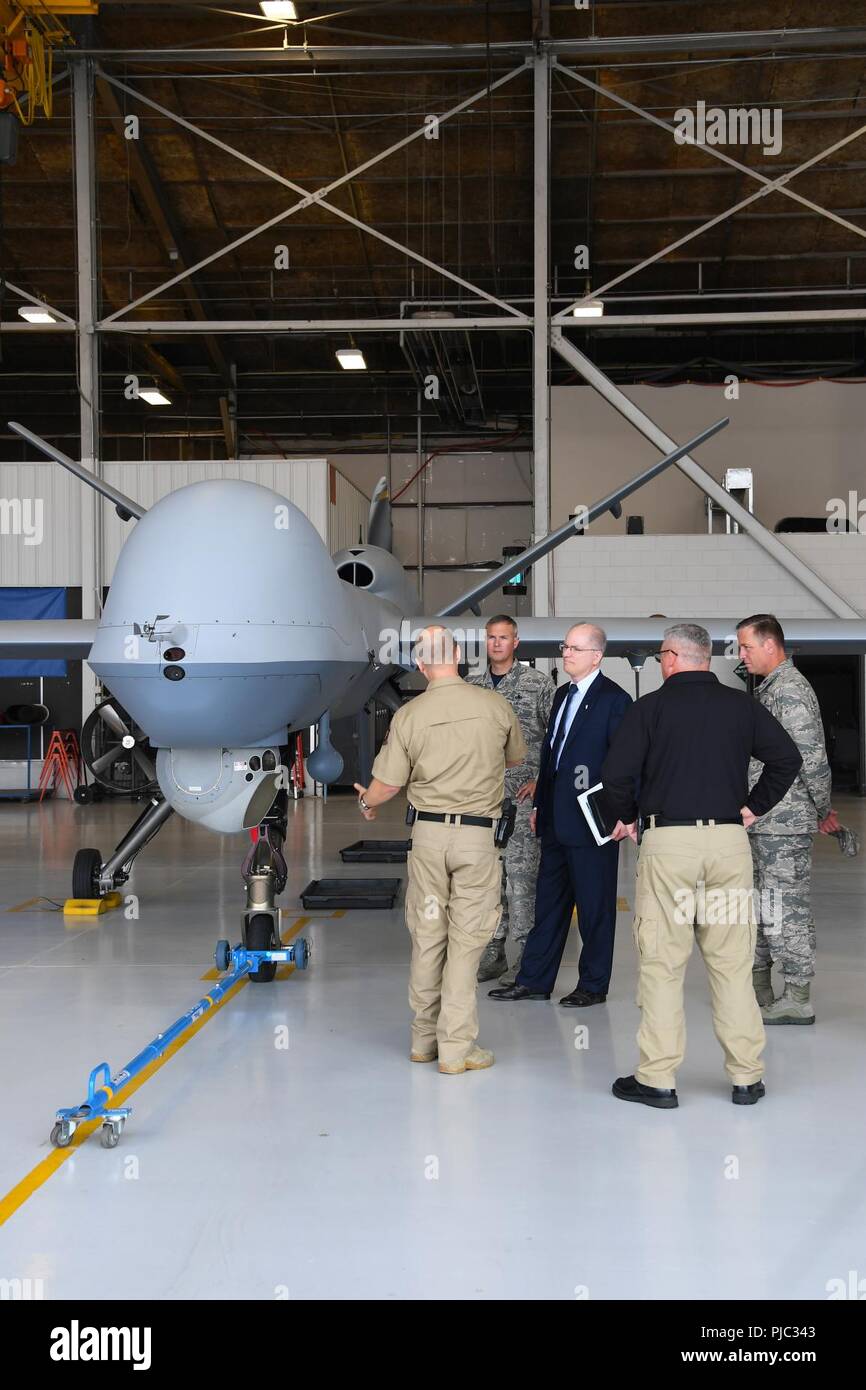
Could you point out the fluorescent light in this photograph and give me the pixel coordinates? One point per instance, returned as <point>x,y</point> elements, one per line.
<point>33,313</point>
<point>278,9</point>
<point>153,396</point>
<point>351,359</point>
<point>588,309</point>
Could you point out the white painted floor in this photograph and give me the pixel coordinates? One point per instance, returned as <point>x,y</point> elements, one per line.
<point>309,1172</point>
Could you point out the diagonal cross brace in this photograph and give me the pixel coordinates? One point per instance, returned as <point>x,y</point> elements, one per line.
<point>642,422</point>
<point>575,526</point>
<point>319,197</point>
<point>39,303</point>
<point>768,186</point>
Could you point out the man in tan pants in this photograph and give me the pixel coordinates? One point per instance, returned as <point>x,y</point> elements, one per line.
<point>451,745</point>
<point>695,882</point>
<point>687,748</point>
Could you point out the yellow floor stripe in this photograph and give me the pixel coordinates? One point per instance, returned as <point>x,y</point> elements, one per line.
<point>39,1175</point>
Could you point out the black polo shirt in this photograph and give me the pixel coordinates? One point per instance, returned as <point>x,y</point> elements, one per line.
<point>683,752</point>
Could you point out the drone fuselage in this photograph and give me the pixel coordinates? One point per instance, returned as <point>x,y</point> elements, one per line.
<point>228,625</point>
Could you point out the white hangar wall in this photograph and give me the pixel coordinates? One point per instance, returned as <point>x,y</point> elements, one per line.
<point>804,444</point>
<point>707,576</point>
<point>686,577</point>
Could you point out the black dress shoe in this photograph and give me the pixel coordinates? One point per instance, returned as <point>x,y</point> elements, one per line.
<point>516,992</point>
<point>629,1088</point>
<point>748,1095</point>
<point>581,998</point>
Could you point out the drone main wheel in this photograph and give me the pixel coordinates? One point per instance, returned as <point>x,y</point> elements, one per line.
<point>260,937</point>
<point>86,868</point>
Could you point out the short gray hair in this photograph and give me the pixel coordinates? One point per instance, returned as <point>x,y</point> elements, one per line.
<point>693,637</point>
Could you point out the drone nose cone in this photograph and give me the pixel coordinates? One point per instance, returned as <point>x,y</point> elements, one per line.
<point>236,578</point>
<point>224,550</point>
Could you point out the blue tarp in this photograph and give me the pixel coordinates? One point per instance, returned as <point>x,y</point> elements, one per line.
<point>30,604</point>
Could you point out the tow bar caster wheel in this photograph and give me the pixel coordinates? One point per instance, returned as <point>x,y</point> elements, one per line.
<point>302,954</point>
<point>222,956</point>
<point>61,1135</point>
<point>110,1136</point>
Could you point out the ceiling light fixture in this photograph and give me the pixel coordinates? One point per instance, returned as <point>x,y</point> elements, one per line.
<point>588,309</point>
<point>153,396</point>
<point>35,313</point>
<point>278,9</point>
<point>351,359</point>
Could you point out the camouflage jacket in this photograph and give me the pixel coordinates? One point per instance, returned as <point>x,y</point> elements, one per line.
<point>789,696</point>
<point>530,694</point>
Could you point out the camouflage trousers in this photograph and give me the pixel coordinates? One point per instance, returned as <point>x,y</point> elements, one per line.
<point>783,883</point>
<point>519,873</point>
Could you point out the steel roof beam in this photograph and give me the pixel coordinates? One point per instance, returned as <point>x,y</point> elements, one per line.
<point>740,41</point>
<point>153,193</point>
<point>778,185</point>
<point>318,198</point>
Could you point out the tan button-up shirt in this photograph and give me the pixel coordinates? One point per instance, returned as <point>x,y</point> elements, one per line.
<point>449,747</point>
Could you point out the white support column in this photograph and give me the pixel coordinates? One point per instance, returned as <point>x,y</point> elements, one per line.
<point>540,343</point>
<point>87,349</point>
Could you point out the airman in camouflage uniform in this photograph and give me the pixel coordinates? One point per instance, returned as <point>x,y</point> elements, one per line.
<point>530,694</point>
<point>781,840</point>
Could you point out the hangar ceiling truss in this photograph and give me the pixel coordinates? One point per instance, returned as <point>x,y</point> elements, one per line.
<point>319,197</point>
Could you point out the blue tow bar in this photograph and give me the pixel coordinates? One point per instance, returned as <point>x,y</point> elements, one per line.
<point>102,1086</point>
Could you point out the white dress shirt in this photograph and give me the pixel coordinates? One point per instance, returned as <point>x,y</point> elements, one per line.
<point>576,701</point>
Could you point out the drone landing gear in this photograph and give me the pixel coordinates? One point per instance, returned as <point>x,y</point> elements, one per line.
<point>91,879</point>
<point>264,874</point>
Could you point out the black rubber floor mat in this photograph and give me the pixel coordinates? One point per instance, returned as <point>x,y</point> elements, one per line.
<point>379,893</point>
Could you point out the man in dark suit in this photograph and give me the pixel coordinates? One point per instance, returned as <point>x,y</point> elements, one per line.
<point>574,870</point>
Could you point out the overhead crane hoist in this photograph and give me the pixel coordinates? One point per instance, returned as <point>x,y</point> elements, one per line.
<point>31,31</point>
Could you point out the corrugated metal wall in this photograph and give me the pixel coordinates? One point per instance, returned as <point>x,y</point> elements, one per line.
<point>57,557</point>
<point>349,513</point>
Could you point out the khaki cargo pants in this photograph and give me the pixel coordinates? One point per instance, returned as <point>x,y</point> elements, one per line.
<point>696,882</point>
<point>452,910</point>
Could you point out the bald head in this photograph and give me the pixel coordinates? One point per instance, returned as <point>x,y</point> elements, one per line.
<point>583,650</point>
<point>436,653</point>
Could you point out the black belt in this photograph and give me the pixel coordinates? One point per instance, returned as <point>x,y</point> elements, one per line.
<point>486,821</point>
<point>704,822</point>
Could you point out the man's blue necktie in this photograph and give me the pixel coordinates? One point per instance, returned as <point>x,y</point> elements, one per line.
<point>556,747</point>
